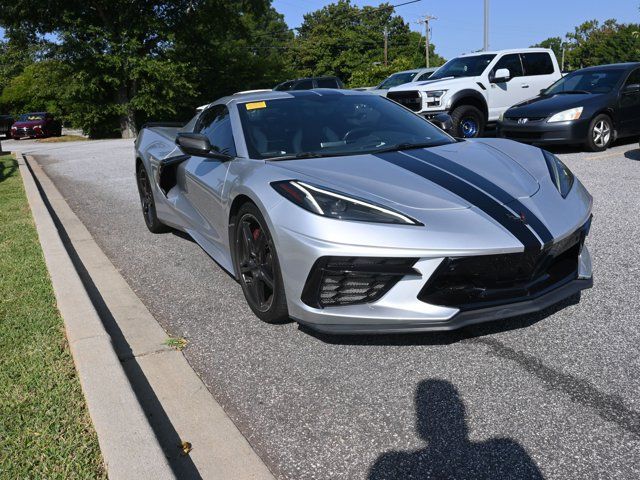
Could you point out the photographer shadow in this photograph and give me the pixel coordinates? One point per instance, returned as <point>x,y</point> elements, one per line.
<point>449,453</point>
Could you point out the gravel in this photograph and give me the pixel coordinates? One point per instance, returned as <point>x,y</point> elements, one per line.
<point>554,395</point>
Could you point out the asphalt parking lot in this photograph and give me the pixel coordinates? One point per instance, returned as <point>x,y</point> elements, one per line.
<point>555,395</point>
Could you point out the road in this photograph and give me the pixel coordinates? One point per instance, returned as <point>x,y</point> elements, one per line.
<point>555,395</point>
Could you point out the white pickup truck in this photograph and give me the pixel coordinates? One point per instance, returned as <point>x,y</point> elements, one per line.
<point>477,88</point>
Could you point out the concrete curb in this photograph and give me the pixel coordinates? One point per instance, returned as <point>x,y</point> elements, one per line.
<point>178,404</point>
<point>129,447</point>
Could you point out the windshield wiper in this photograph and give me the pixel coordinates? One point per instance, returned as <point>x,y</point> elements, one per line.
<point>293,156</point>
<point>408,146</point>
<point>570,92</point>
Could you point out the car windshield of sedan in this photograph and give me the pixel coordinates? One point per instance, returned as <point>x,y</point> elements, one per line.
<point>313,125</point>
<point>471,66</point>
<point>589,81</point>
<point>397,79</point>
<point>30,117</point>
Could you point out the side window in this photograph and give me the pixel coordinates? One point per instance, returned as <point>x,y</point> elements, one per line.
<point>304,85</point>
<point>634,78</point>
<point>327,83</point>
<point>424,76</point>
<point>215,123</point>
<point>537,63</point>
<point>511,62</point>
<point>286,86</point>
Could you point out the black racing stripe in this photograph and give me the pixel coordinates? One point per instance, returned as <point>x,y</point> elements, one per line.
<point>464,190</point>
<point>487,186</point>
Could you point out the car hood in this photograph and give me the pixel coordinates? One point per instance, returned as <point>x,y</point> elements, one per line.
<point>28,124</point>
<point>371,176</point>
<point>444,83</point>
<point>544,106</point>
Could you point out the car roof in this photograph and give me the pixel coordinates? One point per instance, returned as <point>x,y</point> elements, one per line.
<point>273,95</point>
<point>511,50</point>
<point>417,70</point>
<point>610,66</point>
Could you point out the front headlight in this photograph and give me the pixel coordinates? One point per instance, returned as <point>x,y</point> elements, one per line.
<point>571,114</point>
<point>435,93</point>
<point>434,97</point>
<point>560,174</point>
<point>332,204</point>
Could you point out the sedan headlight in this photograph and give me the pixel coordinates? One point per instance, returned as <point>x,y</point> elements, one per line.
<point>571,114</point>
<point>560,174</point>
<point>332,204</point>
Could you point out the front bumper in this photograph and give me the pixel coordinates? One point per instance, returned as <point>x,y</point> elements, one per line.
<point>400,308</point>
<point>540,132</point>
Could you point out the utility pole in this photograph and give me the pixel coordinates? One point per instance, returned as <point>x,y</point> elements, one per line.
<point>427,30</point>
<point>562,62</point>
<point>486,26</point>
<point>385,32</point>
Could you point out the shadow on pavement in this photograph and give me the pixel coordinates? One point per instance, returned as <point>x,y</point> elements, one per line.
<point>7,169</point>
<point>449,452</point>
<point>444,338</point>
<point>633,154</point>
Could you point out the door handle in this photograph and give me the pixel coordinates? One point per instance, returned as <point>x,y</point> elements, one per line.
<point>524,85</point>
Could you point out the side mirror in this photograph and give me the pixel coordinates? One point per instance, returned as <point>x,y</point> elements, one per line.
<point>198,144</point>
<point>444,122</point>
<point>631,88</point>
<point>501,75</point>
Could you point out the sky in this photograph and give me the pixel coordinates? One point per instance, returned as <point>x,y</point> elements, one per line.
<point>512,23</point>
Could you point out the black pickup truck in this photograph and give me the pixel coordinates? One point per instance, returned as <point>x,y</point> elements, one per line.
<point>5,125</point>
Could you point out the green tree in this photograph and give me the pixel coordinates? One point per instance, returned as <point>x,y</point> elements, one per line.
<point>342,39</point>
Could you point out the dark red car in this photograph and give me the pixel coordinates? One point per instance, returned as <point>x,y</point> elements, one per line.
<point>36,125</point>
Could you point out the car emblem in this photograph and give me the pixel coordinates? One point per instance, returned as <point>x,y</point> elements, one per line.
<point>522,121</point>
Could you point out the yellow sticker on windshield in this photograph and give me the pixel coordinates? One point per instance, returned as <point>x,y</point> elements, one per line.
<point>255,105</point>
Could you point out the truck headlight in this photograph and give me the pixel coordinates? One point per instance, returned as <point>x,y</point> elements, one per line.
<point>434,97</point>
<point>571,114</point>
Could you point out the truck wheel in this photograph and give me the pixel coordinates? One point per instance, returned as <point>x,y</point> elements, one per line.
<point>600,134</point>
<point>468,122</point>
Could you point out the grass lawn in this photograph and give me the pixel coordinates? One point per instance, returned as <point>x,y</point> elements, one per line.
<point>63,138</point>
<point>45,429</point>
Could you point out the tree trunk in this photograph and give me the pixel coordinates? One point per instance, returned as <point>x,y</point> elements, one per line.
<point>127,116</point>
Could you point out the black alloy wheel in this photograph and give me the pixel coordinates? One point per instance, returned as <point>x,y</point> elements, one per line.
<point>148,203</point>
<point>257,266</point>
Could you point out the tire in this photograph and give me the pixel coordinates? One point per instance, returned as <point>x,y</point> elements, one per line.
<point>256,262</point>
<point>600,133</point>
<point>468,122</point>
<point>148,203</point>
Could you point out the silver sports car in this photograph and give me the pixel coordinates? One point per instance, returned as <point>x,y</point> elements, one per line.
<point>349,213</point>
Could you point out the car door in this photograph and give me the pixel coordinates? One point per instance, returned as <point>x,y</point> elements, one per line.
<point>205,177</point>
<point>629,103</point>
<point>539,73</point>
<point>503,94</point>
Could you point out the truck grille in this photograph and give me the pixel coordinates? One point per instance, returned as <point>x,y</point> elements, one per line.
<point>339,281</point>
<point>410,99</point>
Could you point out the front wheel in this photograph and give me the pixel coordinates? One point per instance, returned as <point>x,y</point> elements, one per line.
<point>468,122</point>
<point>600,135</point>
<point>258,268</point>
<point>148,203</point>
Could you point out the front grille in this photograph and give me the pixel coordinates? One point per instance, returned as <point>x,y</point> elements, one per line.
<point>490,280</point>
<point>25,131</point>
<point>410,99</point>
<point>528,119</point>
<point>339,281</point>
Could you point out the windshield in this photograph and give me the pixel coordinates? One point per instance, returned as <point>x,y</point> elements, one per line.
<point>397,79</point>
<point>330,125</point>
<point>30,117</point>
<point>587,81</point>
<point>471,66</point>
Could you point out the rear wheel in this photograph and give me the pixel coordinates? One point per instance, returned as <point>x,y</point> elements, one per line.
<point>468,122</point>
<point>600,135</point>
<point>258,268</point>
<point>148,203</point>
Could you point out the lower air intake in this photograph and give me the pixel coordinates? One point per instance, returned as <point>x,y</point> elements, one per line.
<point>339,281</point>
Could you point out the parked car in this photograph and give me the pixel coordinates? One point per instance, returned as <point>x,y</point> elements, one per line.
<point>590,107</point>
<point>348,213</point>
<point>5,125</point>
<point>309,83</point>
<point>476,88</point>
<point>36,125</point>
<point>400,78</point>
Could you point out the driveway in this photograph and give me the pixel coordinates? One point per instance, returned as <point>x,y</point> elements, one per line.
<point>554,395</point>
